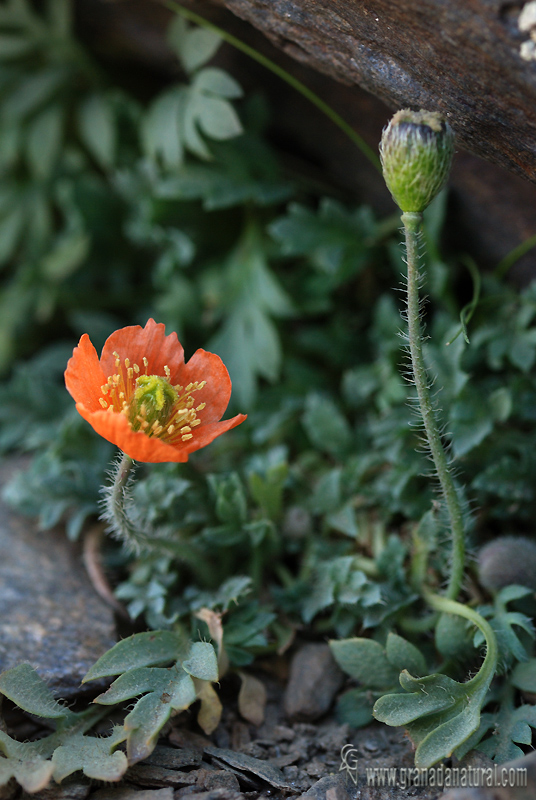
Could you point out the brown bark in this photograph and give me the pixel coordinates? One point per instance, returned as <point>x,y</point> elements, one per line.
<point>460,57</point>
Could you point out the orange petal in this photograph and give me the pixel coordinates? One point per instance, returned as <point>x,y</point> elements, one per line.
<point>84,376</point>
<point>205,434</point>
<point>115,428</point>
<point>150,342</point>
<point>209,367</point>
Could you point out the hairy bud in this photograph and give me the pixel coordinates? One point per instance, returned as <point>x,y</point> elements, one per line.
<point>507,560</point>
<point>416,153</point>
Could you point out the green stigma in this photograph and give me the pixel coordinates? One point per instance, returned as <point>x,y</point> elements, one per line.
<point>152,402</point>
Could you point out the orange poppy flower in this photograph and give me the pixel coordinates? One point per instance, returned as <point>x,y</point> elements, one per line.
<point>142,396</point>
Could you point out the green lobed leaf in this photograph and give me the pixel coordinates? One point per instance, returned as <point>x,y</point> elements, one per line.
<point>135,682</point>
<point>213,80</point>
<point>337,240</point>
<point>514,630</point>
<point>248,341</point>
<point>14,46</point>
<point>68,253</point>
<point>438,713</point>
<point>146,649</point>
<point>510,726</point>
<point>98,129</point>
<point>44,141</point>
<point>160,133</point>
<point>32,93</point>
<point>325,425</point>
<point>95,756</point>
<point>202,662</point>
<point>404,655</point>
<point>453,637</point>
<point>164,689</point>
<point>194,46</point>
<point>523,676</point>
<point>366,661</point>
<point>32,773</point>
<point>23,686</point>
<point>11,230</point>
<point>216,118</point>
<point>354,707</point>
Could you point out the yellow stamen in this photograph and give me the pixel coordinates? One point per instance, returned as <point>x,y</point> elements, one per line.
<point>164,415</point>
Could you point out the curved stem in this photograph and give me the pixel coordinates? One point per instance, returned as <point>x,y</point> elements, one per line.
<point>412,223</point>
<point>418,624</point>
<point>300,87</point>
<point>489,665</point>
<point>115,502</point>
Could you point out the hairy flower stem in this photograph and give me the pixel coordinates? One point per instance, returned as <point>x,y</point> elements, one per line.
<point>115,505</point>
<point>412,224</point>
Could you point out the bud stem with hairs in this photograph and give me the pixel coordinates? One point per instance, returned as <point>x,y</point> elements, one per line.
<point>412,223</point>
<point>416,153</point>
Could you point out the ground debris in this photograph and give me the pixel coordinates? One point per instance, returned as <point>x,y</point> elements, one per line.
<point>129,793</point>
<point>245,763</point>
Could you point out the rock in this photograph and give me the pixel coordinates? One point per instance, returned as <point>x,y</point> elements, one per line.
<point>50,616</point>
<point>315,678</point>
<point>242,764</point>
<point>332,787</point>
<point>144,774</point>
<point>173,758</point>
<point>128,793</point>
<point>436,54</point>
<point>217,779</point>
<point>214,794</point>
<point>71,789</point>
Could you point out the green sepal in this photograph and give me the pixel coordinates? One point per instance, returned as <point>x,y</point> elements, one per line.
<point>416,153</point>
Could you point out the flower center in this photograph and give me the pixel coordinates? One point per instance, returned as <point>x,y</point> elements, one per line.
<point>151,403</point>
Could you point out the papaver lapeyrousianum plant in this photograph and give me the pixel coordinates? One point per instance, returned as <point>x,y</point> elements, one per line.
<point>142,396</point>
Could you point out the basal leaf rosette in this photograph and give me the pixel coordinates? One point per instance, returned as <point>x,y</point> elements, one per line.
<point>142,396</point>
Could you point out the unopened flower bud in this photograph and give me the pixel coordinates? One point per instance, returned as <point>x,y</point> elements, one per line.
<point>416,152</point>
